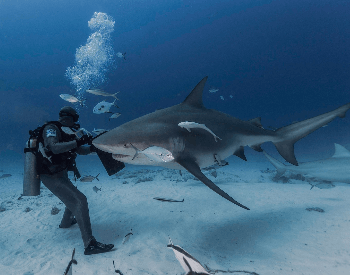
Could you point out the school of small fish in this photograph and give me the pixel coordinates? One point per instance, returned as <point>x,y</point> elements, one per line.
<point>101,107</point>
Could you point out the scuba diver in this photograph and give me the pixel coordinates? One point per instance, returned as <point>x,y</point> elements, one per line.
<point>62,141</point>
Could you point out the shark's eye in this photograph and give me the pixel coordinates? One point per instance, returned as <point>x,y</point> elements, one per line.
<point>125,145</point>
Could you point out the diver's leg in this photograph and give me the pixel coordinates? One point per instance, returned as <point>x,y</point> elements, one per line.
<point>68,219</point>
<point>60,185</point>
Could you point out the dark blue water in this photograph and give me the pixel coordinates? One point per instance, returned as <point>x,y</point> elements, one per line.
<point>282,60</point>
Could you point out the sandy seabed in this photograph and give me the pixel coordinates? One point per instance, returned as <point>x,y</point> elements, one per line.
<point>277,236</point>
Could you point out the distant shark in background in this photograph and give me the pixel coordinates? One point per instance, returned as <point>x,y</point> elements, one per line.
<point>198,149</point>
<point>335,169</point>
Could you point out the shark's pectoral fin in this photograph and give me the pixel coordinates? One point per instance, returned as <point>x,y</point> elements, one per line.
<point>240,153</point>
<point>256,148</point>
<point>192,167</point>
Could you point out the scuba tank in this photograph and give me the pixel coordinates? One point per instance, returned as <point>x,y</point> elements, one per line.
<point>31,179</point>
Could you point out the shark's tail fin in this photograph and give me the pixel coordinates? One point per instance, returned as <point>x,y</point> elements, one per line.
<point>113,103</point>
<point>115,96</point>
<point>281,168</point>
<point>290,134</point>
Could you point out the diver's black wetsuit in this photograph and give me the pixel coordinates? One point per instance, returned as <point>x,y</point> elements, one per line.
<point>58,183</point>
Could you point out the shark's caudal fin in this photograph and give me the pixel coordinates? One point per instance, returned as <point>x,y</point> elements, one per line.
<point>192,167</point>
<point>292,133</point>
<point>281,168</point>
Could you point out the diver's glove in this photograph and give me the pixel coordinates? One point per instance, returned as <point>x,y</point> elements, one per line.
<point>85,139</point>
<point>93,148</point>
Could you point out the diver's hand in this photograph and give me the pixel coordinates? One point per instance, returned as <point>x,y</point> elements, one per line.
<point>85,139</point>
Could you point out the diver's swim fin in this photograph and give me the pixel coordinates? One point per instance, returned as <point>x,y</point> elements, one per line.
<point>111,165</point>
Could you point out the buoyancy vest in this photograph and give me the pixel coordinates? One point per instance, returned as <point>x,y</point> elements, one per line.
<point>47,162</point>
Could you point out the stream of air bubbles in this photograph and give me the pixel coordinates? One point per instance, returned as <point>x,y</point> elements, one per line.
<point>93,60</point>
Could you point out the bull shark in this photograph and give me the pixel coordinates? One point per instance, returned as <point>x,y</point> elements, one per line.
<point>197,149</point>
<point>335,169</point>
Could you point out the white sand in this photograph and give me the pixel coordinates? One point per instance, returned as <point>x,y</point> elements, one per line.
<point>277,236</point>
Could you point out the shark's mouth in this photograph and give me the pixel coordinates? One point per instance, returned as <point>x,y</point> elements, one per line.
<point>119,156</point>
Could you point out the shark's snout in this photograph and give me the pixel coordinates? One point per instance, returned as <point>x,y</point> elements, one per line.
<point>101,146</point>
<point>110,144</point>
<point>103,143</point>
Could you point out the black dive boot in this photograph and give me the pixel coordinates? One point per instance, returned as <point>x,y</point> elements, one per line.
<point>94,247</point>
<point>73,222</point>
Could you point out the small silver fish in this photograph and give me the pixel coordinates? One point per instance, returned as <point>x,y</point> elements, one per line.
<point>103,93</point>
<point>117,271</point>
<point>190,264</point>
<point>317,209</point>
<point>168,200</point>
<point>322,185</point>
<point>213,90</point>
<point>127,237</point>
<point>96,189</point>
<point>69,268</point>
<point>222,98</point>
<point>121,55</point>
<point>103,107</point>
<point>99,131</point>
<point>71,99</point>
<point>214,174</point>
<point>89,178</point>
<point>155,153</point>
<point>3,176</point>
<point>115,115</point>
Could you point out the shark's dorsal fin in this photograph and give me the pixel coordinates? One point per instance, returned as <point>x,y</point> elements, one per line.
<point>340,151</point>
<point>257,122</point>
<point>195,98</point>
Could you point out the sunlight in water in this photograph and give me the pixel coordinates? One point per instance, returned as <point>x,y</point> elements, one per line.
<point>93,59</point>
